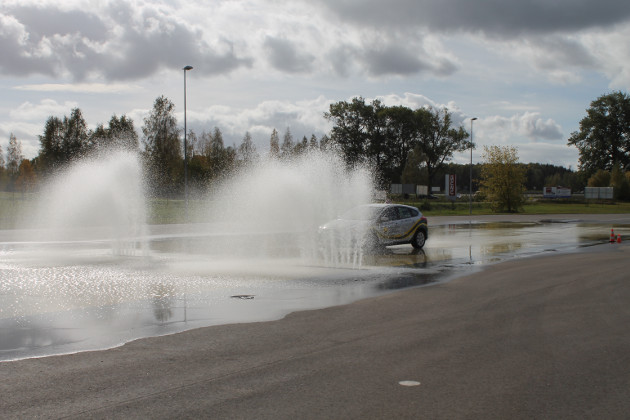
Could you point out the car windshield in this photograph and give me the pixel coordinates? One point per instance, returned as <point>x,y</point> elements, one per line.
<point>362,213</point>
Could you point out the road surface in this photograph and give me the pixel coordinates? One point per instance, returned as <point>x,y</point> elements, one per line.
<point>542,337</point>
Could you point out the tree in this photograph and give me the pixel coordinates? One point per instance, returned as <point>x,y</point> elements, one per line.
<point>400,134</point>
<point>74,141</point>
<point>372,133</point>
<point>313,144</point>
<point>221,160</point>
<point>502,178</point>
<point>384,136</point>
<point>191,143</point>
<point>123,133</point>
<point>247,150</point>
<point>119,133</point>
<point>162,145</point>
<point>50,153</point>
<point>65,141</point>
<point>415,170</point>
<point>325,143</point>
<point>619,182</point>
<point>288,146</point>
<point>274,144</point>
<point>437,139</point>
<point>26,176</point>
<point>301,147</point>
<point>601,178</point>
<point>604,137</point>
<point>14,156</point>
<point>1,160</point>
<point>356,130</point>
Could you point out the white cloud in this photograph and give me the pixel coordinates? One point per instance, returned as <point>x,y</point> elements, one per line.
<point>304,118</point>
<point>261,65</point>
<point>45,108</point>
<point>80,87</point>
<point>528,125</point>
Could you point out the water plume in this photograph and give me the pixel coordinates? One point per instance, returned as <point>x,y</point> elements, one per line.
<point>274,207</point>
<point>100,198</point>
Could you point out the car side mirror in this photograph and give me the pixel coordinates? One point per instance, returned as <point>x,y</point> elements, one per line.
<point>384,219</point>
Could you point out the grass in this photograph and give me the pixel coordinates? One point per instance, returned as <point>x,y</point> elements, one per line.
<point>12,205</point>
<point>461,208</point>
<point>169,211</point>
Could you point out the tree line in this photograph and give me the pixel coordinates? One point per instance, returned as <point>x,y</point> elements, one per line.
<point>401,144</point>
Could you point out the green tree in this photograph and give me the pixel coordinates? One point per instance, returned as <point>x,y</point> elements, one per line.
<point>221,160</point>
<point>353,128</point>
<point>119,133</point>
<point>415,171</point>
<point>503,178</point>
<point>3,175</point>
<point>247,150</point>
<point>601,178</point>
<point>619,182</point>
<point>274,144</point>
<point>313,144</point>
<point>123,132</point>
<point>51,152</point>
<point>604,136</point>
<point>74,143</point>
<point>1,160</point>
<point>14,156</point>
<point>400,136</point>
<point>325,143</point>
<point>162,145</point>
<point>301,147</point>
<point>287,147</point>
<point>26,176</point>
<point>191,143</point>
<point>373,133</point>
<point>438,140</point>
<point>384,136</point>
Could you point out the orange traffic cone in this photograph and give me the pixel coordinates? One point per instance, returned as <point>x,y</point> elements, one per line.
<point>618,239</point>
<point>612,236</point>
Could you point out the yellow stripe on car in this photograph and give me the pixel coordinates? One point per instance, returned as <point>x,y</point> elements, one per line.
<point>409,232</point>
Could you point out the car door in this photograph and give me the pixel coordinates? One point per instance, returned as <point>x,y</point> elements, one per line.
<point>406,222</point>
<point>389,226</point>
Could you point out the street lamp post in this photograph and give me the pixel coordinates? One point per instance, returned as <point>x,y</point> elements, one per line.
<point>185,145</point>
<point>471,163</point>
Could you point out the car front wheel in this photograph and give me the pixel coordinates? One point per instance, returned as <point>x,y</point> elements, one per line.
<point>419,239</point>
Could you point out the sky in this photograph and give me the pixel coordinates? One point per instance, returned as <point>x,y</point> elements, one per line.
<point>527,69</point>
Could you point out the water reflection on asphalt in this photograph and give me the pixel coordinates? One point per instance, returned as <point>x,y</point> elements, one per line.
<point>80,296</point>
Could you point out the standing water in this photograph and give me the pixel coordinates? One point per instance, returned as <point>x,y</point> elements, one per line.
<point>87,272</point>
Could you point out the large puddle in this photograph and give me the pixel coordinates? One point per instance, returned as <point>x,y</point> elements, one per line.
<point>76,296</point>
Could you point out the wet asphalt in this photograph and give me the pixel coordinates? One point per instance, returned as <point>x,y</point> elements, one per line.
<point>542,337</point>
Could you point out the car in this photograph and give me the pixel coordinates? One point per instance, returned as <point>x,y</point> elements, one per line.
<point>374,225</point>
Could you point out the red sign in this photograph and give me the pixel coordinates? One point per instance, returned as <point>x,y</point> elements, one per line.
<point>452,186</point>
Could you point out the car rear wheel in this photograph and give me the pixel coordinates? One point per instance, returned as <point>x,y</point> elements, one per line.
<point>419,239</point>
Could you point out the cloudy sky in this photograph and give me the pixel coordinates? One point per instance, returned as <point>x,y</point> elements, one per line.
<point>528,69</point>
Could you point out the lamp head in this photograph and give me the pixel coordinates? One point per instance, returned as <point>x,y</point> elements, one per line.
<point>187,68</point>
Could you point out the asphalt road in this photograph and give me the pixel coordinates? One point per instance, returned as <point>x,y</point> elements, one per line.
<point>546,337</point>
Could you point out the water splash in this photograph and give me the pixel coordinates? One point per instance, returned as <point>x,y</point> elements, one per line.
<point>274,207</point>
<point>98,199</point>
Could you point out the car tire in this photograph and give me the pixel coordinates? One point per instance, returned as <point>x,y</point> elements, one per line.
<point>419,239</point>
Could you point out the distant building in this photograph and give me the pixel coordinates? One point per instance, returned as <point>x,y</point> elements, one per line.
<point>556,192</point>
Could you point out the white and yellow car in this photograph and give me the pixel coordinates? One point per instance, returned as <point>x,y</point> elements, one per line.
<point>377,225</point>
